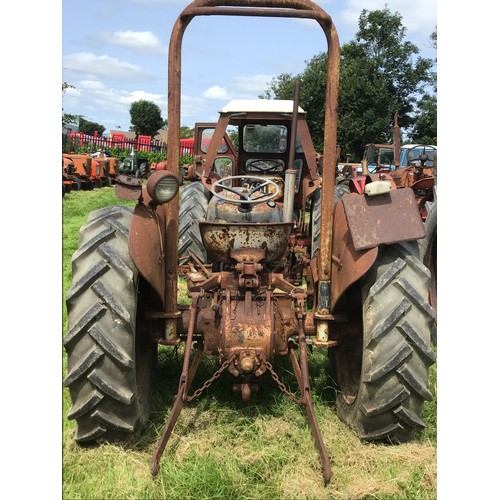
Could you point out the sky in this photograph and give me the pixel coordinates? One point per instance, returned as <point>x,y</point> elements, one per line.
<point>114,52</point>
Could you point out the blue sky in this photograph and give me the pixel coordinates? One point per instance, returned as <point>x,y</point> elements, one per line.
<point>115,52</point>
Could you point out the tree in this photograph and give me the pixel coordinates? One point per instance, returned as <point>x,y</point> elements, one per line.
<point>424,130</point>
<point>380,74</point>
<point>425,126</point>
<point>145,117</point>
<point>66,117</point>
<point>186,132</point>
<point>88,127</point>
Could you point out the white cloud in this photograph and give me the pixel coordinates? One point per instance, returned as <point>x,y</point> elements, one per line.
<point>253,85</point>
<point>419,16</point>
<point>239,87</point>
<point>91,85</point>
<point>192,108</point>
<point>103,67</point>
<point>215,92</point>
<point>90,98</point>
<point>141,41</point>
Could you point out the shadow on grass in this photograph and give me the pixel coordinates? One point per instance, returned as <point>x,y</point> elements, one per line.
<point>268,400</point>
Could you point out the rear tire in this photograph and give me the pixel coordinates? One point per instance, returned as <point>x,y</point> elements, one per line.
<point>428,247</point>
<point>382,371</point>
<point>109,363</point>
<point>192,207</point>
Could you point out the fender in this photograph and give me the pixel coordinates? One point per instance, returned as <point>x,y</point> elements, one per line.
<point>147,243</point>
<point>362,223</point>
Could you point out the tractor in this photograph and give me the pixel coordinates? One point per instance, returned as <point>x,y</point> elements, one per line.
<point>87,171</point>
<point>133,166</point>
<point>105,166</point>
<point>278,260</point>
<point>413,166</point>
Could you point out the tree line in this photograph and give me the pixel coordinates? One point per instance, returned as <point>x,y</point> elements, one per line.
<point>381,74</point>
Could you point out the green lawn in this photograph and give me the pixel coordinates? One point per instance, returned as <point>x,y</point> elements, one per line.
<point>223,448</point>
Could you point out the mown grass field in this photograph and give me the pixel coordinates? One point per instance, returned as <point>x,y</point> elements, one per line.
<point>223,448</point>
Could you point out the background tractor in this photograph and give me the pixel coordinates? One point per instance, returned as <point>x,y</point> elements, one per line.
<point>278,260</point>
<point>413,166</point>
<point>133,166</point>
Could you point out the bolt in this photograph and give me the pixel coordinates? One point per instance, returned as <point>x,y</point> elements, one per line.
<point>247,364</point>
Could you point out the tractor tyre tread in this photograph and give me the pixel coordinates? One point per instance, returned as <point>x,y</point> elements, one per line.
<point>397,353</point>
<point>192,208</point>
<point>105,379</point>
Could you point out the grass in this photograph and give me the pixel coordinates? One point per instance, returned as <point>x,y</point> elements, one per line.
<point>223,448</point>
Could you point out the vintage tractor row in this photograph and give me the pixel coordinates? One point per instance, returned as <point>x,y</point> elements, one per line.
<point>83,171</point>
<point>89,171</point>
<point>277,257</point>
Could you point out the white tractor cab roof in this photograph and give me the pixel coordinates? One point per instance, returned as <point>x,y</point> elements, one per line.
<point>259,106</point>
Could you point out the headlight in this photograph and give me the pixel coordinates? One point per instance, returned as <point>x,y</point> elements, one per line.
<point>162,186</point>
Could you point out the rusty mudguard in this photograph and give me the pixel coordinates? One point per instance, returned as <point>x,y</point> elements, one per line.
<point>147,244</point>
<point>362,223</point>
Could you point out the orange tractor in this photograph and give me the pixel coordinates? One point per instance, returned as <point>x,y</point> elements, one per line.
<point>278,259</point>
<point>89,171</point>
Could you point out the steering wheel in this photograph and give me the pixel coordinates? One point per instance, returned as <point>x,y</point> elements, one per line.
<point>246,196</point>
<point>270,166</point>
<point>419,159</point>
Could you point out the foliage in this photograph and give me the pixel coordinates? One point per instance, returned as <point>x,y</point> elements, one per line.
<point>233,135</point>
<point>145,117</point>
<point>281,87</point>
<point>88,127</point>
<point>66,86</point>
<point>186,132</point>
<point>66,117</point>
<point>120,153</point>
<point>425,126</point>
<point>380,74</point>
<point>85,126</point>
<point>186,159</point>
<point>264,139</point>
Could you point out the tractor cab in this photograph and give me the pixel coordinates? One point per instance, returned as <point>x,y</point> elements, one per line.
<point>243,160</point>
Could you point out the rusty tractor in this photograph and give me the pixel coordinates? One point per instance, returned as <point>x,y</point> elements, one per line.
<point>411,166</point>
<point>86,172</point>
<point>69,182</point>
<point>278,260</point>
<point>105,169</point>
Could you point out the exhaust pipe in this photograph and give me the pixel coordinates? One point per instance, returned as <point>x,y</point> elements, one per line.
<point>291,173</point>
<point>289,194</point>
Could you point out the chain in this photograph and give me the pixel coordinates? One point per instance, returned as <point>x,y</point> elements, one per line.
<point>281,385</point>
<point>212,379</point>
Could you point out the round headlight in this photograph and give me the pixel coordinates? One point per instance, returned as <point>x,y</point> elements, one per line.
<point>162,186</point>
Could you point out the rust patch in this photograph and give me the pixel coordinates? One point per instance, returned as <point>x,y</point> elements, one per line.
<point>383,219</point>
